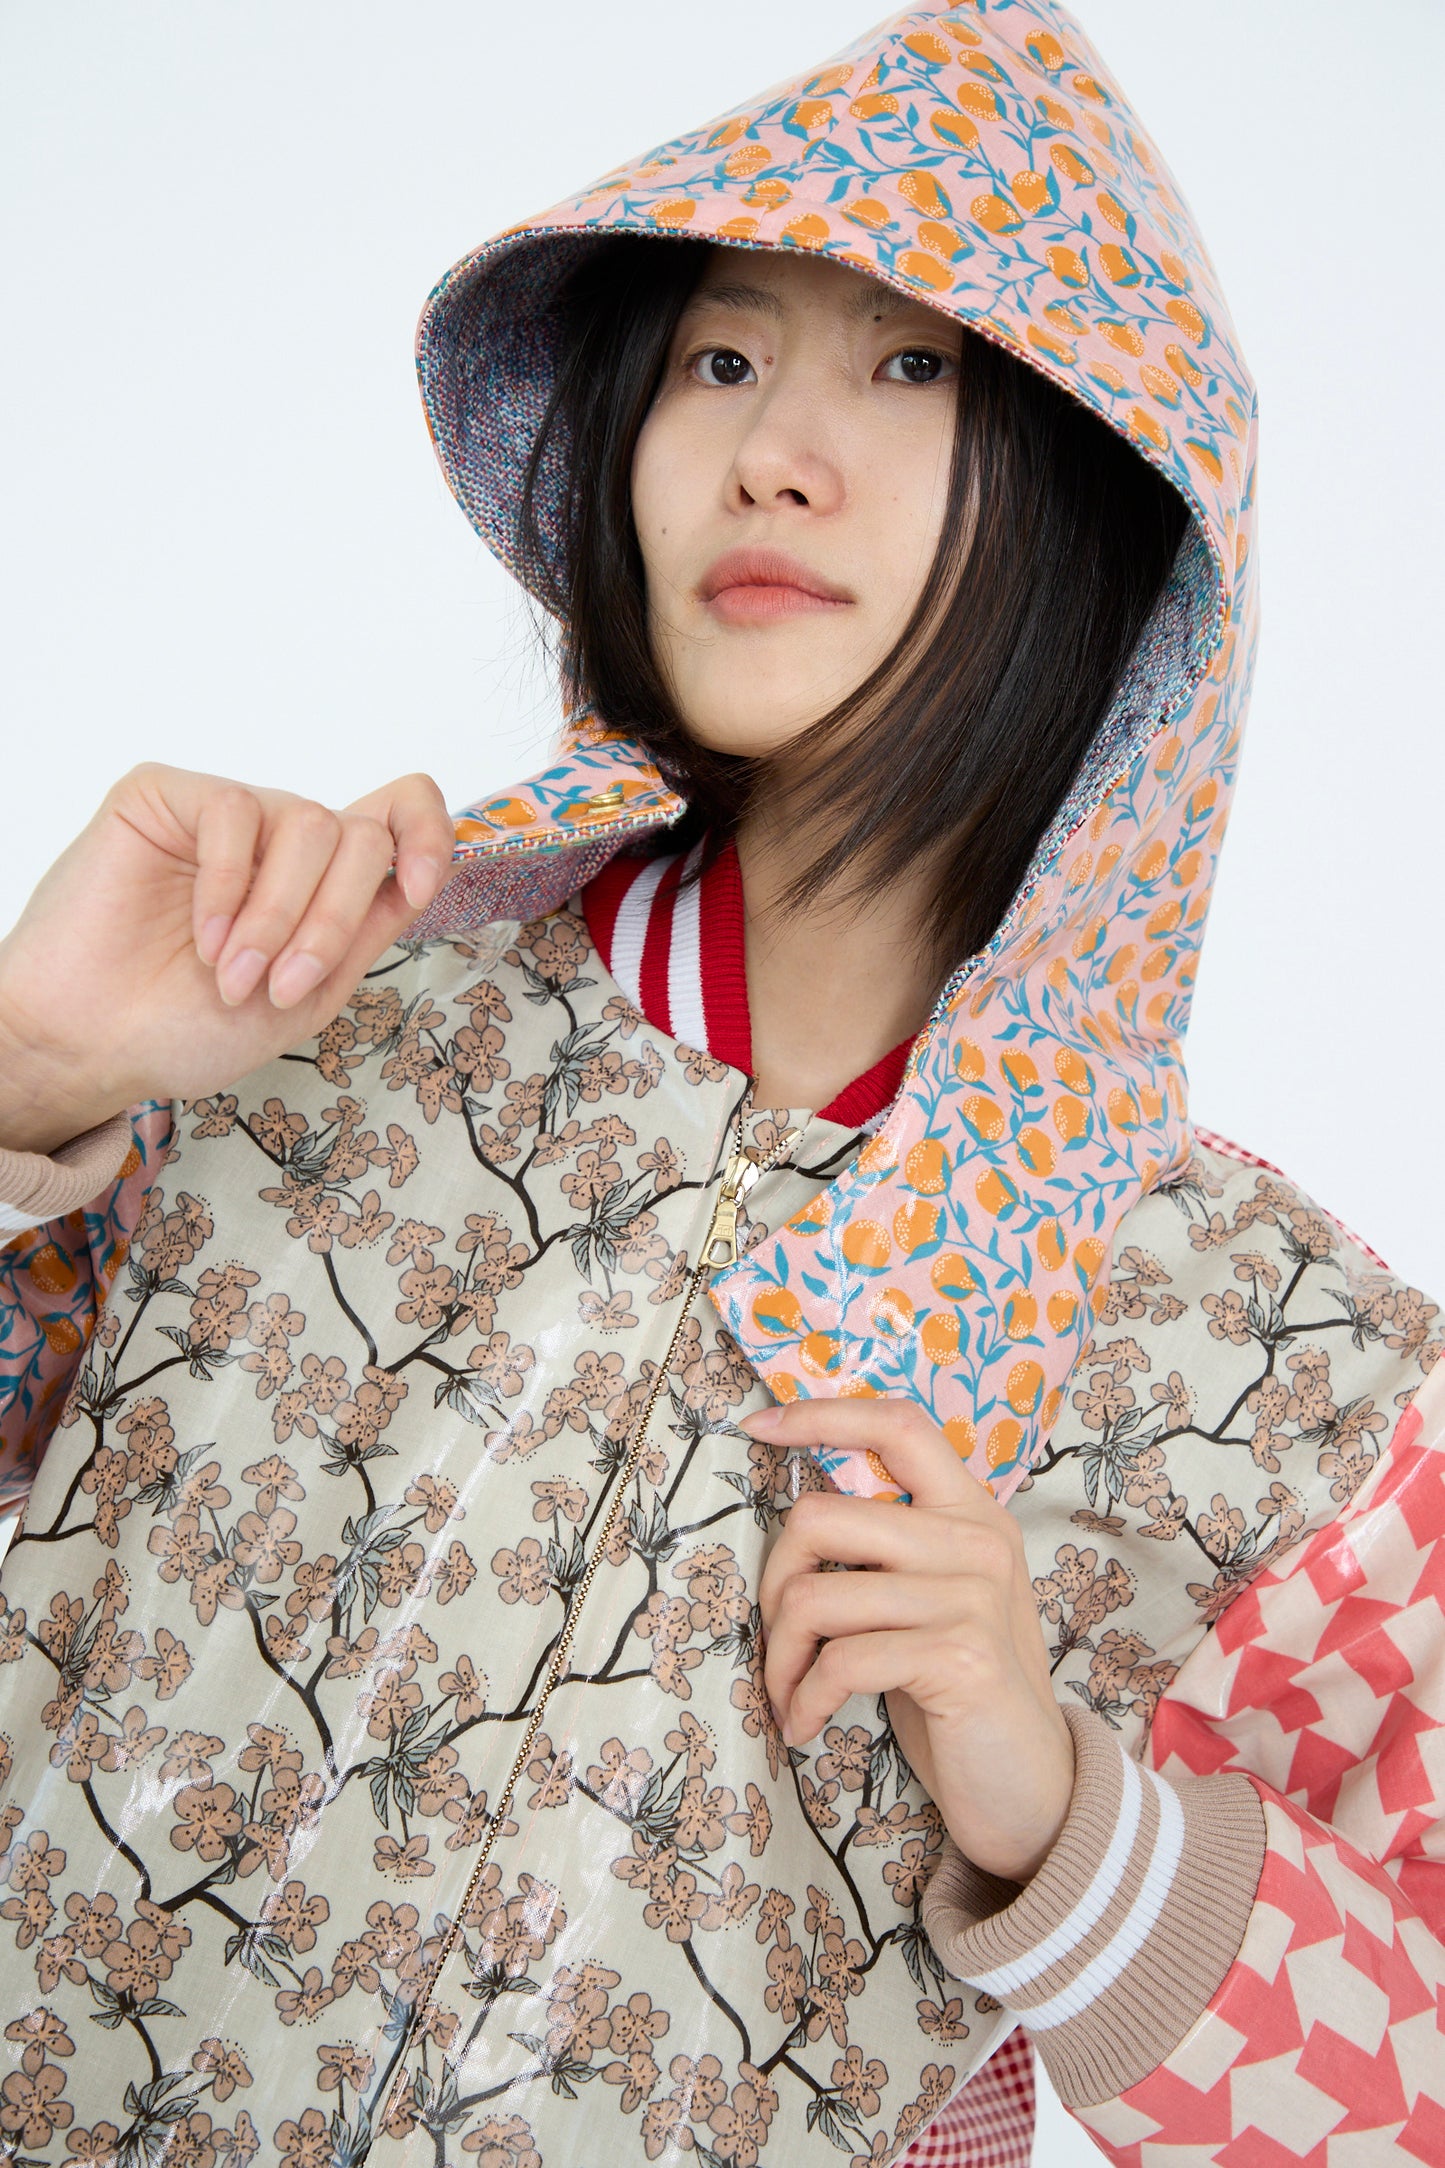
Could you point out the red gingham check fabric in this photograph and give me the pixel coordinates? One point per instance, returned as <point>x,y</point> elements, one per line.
<point>990,2122</point>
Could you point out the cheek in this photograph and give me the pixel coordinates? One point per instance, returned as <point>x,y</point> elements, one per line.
<point>647,513</point>
<point>663,489</point>
<point>909,501</point>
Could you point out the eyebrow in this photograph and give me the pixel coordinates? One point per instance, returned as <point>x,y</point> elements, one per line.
<point>874,299</point>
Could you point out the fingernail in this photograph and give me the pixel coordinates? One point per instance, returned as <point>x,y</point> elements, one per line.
<point>296,977</point>
<point>765,1420</point>
<point>418,877</point>
<point>787,1732</point>
<point>238,977</point>
<point>213,937</point>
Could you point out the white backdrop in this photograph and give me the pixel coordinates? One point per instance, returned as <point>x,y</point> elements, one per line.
<point>226,545</point>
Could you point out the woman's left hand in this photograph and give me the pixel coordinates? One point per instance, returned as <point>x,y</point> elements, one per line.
<point>946,1627</point>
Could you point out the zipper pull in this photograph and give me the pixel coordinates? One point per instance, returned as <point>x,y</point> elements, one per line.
<point>720,1248</point>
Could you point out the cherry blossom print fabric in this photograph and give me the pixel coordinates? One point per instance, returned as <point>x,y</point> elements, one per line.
<point>298,1791</point>
<point>331,1712</point>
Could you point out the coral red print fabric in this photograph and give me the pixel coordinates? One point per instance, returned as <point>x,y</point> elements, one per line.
<point>385,1769</point>
<point>1326,1683</point>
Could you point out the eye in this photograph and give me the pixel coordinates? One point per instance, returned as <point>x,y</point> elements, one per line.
<point>918,365</point>
<point>721,366</point>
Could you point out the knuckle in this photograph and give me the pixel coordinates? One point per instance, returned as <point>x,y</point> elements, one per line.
<point>138,781</point>
<point>367,829</point>
<point>223,874</point>
<point>808,1512</point>
<point>967,1662</point>
<point>261,926</point>
<point>801,1599</point>
<point>314,822</point>
<point>780,1560</point>
<point>325,934</point>
<point>789,1602</point>
<point>832,1663</point>
<point>231,797</point>
<point>993,1553</point>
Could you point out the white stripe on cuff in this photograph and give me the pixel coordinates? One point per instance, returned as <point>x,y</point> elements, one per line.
<point>1090,1908</point>
<point>1101,1971</point>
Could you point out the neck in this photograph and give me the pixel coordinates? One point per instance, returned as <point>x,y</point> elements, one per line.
<point>832,986</point>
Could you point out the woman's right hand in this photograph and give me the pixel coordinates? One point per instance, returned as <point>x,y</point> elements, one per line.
<point>196,928</point>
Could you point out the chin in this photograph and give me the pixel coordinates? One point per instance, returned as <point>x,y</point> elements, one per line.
<point>749,736</point>
<point>752,718</point>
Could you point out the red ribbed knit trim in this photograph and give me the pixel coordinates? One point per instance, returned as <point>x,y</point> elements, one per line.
<point>657,950</point>
<point>602,897</point>
<point>724,968</point>
<point>870,1093</point>
<point>722,965</point>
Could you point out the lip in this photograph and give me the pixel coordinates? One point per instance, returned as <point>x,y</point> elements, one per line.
<point>750,586</point>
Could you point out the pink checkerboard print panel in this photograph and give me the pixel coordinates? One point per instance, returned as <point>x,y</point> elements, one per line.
<point>1324,2046</point>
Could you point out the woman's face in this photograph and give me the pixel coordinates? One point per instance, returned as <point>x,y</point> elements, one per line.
<point>788,489</point>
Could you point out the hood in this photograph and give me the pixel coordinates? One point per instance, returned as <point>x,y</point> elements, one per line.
<point>983,158</point>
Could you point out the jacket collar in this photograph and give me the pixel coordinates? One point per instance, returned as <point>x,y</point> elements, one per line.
<point>672,932</point>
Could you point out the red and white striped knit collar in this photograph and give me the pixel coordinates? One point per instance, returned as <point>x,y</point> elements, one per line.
<point>678,953</point>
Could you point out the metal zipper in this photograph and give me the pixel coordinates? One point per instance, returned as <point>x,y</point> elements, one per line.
<point>719,1249</point>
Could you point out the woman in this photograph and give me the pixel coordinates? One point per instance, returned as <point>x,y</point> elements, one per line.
<point>455,1320</point>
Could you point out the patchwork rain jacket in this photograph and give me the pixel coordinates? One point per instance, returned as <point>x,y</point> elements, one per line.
<point>386,1768</point>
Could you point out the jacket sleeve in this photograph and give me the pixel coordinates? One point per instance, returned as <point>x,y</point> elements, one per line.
<point>1236,1952</point>
<point>67,1220</point>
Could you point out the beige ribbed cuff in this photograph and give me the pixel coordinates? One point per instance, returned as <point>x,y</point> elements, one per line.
<point>1118,1943</point>
<point>35,1187</point>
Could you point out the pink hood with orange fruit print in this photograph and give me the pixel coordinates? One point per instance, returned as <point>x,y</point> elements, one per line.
<point>981,157</point>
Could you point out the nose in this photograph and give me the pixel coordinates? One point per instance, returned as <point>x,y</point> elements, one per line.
<point>785,456</point>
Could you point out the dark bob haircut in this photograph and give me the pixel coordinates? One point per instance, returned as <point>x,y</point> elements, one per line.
<point>988,704</point>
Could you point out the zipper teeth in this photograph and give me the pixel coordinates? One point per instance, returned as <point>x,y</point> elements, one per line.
<point>550,1681</point>
<point>565,1639</point>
